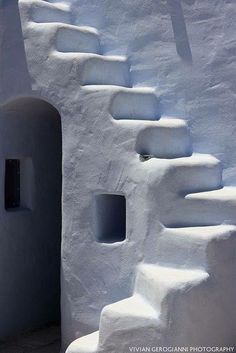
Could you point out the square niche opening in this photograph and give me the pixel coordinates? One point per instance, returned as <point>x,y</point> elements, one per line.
<point>110,218</point>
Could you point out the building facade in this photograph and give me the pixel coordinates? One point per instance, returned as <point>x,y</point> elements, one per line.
<point>140,98</point>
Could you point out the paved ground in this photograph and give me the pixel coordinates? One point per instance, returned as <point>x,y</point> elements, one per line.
<point>45,340</point>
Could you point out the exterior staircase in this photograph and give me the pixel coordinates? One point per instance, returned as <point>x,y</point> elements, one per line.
<point>172,296</point>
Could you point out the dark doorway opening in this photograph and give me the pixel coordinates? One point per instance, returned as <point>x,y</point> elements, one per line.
<point>30,237</point>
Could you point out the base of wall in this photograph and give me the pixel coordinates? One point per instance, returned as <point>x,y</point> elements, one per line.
<point>43,340</point>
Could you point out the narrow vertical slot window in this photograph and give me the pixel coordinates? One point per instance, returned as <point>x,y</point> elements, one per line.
<point>12,184</point>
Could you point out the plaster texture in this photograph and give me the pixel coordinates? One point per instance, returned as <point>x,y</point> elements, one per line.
<point>153,78</point>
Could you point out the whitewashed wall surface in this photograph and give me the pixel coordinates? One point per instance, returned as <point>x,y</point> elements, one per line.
<point>146,94</point>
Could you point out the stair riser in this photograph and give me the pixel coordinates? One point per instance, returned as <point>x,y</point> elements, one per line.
<point>71,40</point>
<point>154,294</point>
<point>162,142</point>
<point>44,14</point>
<point>194,178</point>
<point>135,106</point>
<point>157,284</point>
<point>190,252</point>
<point>115,334</point>
<point>101,71</point>
<point>191,213</point>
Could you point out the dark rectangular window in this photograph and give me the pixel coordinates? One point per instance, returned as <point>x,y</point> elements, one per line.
<point>12,183</point>
<point>110,218</point>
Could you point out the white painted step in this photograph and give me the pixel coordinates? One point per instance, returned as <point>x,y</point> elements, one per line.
<point>134,105</point>
<point>216,207</point>
<point>85,344</point>
<point>155,282</point>
<point>117,320</point>
<point>44,12</point>
<point>125,316</point>
<point>104,70</point>
<point>137,319</point>
<point>168,138</point>
<point>202,209</point>
<point>77,39</point>
<point>196,247</point>
<point>226,194</point>
<point>197,172</point>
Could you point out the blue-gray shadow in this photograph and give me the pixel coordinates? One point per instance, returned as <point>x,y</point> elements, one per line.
<point>180,31</point>
<point>14,75</point>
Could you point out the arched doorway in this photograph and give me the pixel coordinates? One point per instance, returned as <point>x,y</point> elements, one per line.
<point>30,215</point>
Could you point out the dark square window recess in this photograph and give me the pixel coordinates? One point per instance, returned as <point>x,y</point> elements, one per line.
<point>110,218</point>
<point>12,183</point>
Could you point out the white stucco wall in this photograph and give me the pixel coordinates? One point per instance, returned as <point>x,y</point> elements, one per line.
<point>200,90</point>
<point>191,75</point>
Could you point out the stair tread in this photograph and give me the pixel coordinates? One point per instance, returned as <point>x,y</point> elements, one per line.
<point>198,158</point>
<point>204,233</point>
<point>166,123</point>
<point>117,89</point>
<point>88,56</point>
<point>224,194</point>
<point>172,275</point>
<point>194,159</point>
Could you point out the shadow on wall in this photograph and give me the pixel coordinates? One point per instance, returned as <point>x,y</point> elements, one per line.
<point>180,31</point>
<point>30,227</point>
<point>14,75</point>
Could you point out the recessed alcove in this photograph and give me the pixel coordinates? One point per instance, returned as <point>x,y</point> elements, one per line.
<point>110,218</point>
<point>12,183</point>
<point>30,164</point>
<point>19,180</point>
